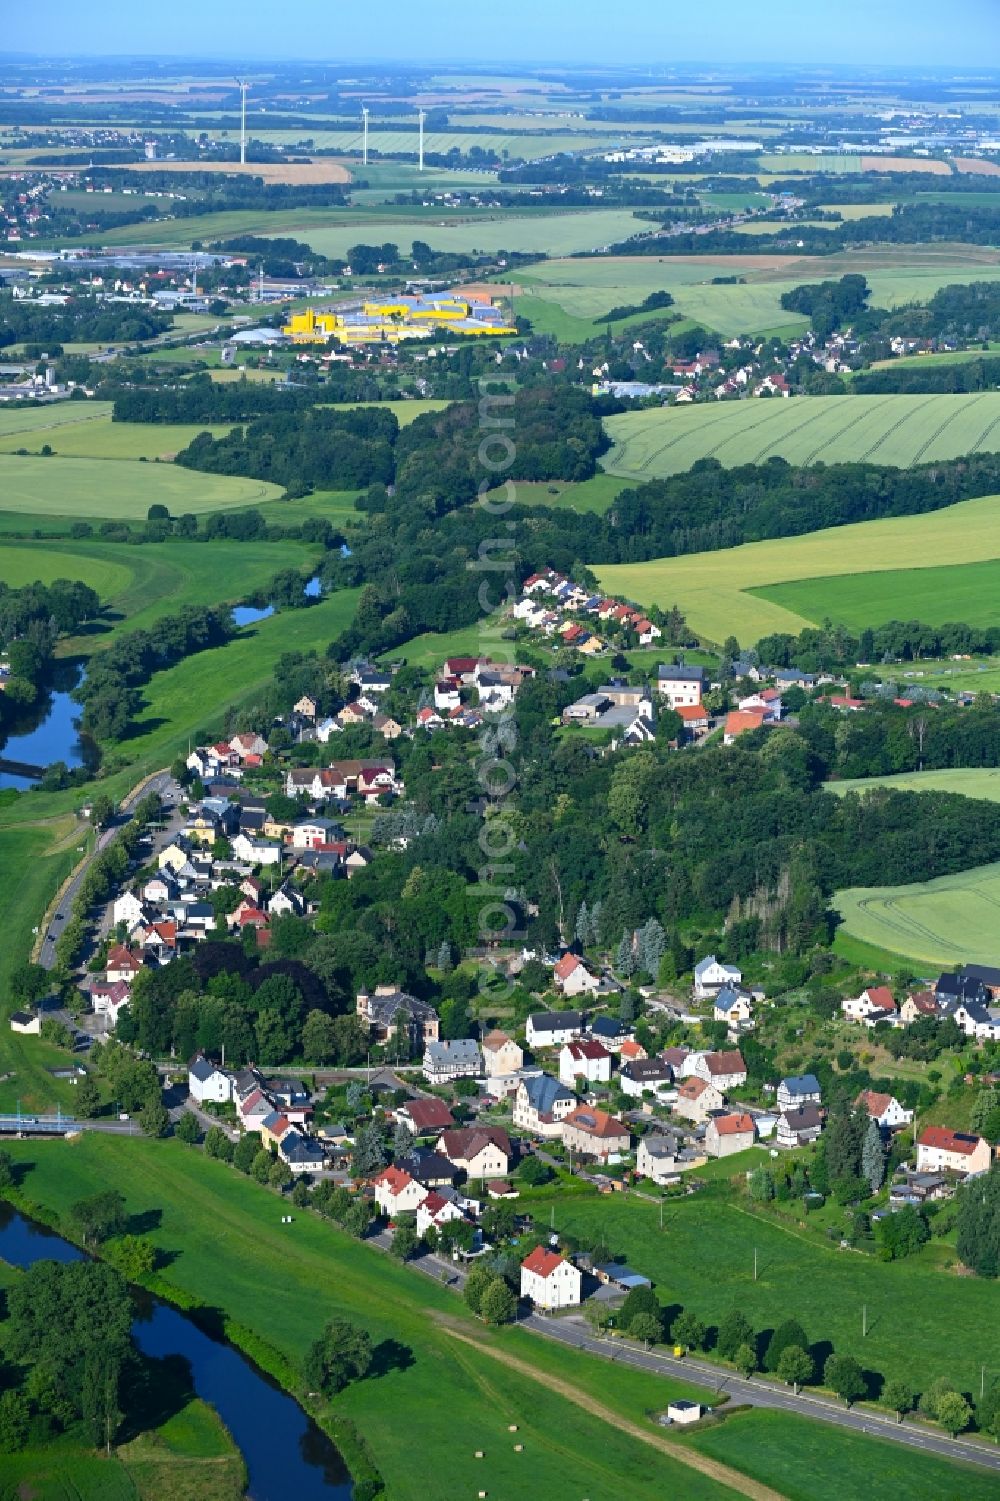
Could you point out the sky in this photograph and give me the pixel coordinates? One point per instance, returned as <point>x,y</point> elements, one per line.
<point>899,33</point>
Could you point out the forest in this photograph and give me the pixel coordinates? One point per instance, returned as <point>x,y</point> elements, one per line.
<point>311,447</point>
<point>84,320</point>
<point>930,379</point>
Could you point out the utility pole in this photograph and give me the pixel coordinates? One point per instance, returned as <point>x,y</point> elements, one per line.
<point>421,117</point>
<point>364,139</point>
<point>661,1214</point>
<point>755,1263</point>
<point>864,1321</point>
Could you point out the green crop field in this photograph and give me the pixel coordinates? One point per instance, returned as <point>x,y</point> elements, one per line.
<point>898,275</point>
<point>968,591</point>
<point>104,439</point>
<point>540,234</point>
<point>395,142</point>
<point>945,922</point>
<point>978,782</point>
<point>922,1322</point>
<point>231,1251</point>
<point>713,588</point>
<point>139,584</point>
<point>28,420</point>
<point>118,489</point>
<point>898,430</point>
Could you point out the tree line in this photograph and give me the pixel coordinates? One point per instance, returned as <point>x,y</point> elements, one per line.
<point>83,320</point>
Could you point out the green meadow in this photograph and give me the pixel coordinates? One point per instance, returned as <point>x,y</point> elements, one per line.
<point>979,782</point>
<point>897,430</point>
<point>923,1321</point>
<point>720,592</point>
<point>948,921</point>
<point>231,1252</point>
<point>139,584</point>
<point>969,592</point>
<point>118,489</point>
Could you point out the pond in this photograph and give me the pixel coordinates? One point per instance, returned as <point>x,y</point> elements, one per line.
<point>286,1454</point>
<point>252,614</point>
<point>49,732</point>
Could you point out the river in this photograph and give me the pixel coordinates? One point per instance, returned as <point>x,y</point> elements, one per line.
<point>49,732</point>
<point>286,1454</point>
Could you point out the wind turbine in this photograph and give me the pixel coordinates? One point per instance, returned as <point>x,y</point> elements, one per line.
<point>243,84</point>
<point>421,117</point>
<point>364,148</point>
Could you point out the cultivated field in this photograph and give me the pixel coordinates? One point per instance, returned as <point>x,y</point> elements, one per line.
<point>539,234</point>
<point>396,142</point>
<point>117,488</point>
<point>953,920</point>
<point>966,591</point>
<point>898,430</point>
<point>981,783</point>
<point>105,439</point>
<point>324,169</point>
<point>898,275</point>
<point>712,588</point>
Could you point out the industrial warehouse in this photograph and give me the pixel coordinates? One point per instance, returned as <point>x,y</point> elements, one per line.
<point>401,317</point>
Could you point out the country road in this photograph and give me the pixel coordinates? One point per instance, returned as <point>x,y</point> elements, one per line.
<point>161,783</point>
<point>758,1392</point>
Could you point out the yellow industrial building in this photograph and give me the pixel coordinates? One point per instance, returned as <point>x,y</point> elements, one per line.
<point>399,318</point>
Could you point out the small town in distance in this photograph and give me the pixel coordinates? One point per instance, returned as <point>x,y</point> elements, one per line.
<point>500,755</point>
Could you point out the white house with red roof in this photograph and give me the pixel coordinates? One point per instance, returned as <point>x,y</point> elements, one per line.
<point>876,1004</point>
<point>884,1108</point>
<point>549,1280</point>
<point>435,1210</point>
<point>726,1069</point>
<point>941,1150</point>
<point>121,964</point>
<point>397,1193</point>
<point>573,977</point>
<point>585,1059</point>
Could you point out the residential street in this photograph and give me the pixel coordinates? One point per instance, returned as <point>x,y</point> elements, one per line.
<point>163,784</point>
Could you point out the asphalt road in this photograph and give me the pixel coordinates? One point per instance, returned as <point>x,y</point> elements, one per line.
<point>160,783</point>
<point>758,1392</point>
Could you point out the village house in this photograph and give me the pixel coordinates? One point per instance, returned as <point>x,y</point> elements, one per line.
<point>696,1099</point>
<point>694,719</point>
<point>726,1134</point>
<point>301,1153</point>
<point>207,1082</point>
<point>384,1009</point>
<point>28,1023</point>
<point>917,1004</point>
<point>396,1192</point>
<point>424,1117</point>
<point>480,1151</point>
<point>550,1029</point>
<point>459,1058</point>
<point>726,1070</point>
<point>541,1104</point>
<point>501,1055</point>
<point>436,1210</point>
<point>595,1133</point>
<point>121,964</point>
<point>734,1007</point>
<point>710,976</point>
<point>883,1108</point>
<point>611,1031</point>
<point>572,976</point>
<point>644,1075</point>
<point>549,1280</point>
<point>741,722</point>
<point>586,1060</point>
<point>798,1125</point>
<point>680,685</point>
<point>875,1004</point>
<point>941,1150</point>
<point>798,1089</point>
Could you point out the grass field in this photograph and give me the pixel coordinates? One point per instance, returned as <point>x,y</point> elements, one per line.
<point>139,584</point>
<point>968,591</point>
<point>232,1252</point>
<point>104,439</point>
<point>118,489</point>
<point>898,430</point>
<point>556,234</point>
<point>713,588</point>
<point>897,275</point>
<point>922,1321</point>
<point>803,1460</point>
<point>945,922</point>
<point>982,783</point>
